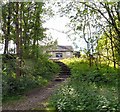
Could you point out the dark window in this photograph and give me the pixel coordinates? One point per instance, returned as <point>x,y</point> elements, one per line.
<point>58,55</point>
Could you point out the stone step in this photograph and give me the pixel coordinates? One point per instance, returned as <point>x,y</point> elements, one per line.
<point>64,72</point>
<point>64,69</point>
<point>59,79</point>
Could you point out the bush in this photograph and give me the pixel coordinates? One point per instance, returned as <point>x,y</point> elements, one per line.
<point>12,85</point>
<point>89,89</point>
<point>80,70</point>
<point>41,67</point>
<point>35,73</point>
<point>83,97</point>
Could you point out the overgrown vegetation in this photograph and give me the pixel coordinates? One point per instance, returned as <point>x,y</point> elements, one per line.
<point>88,89</point>
<point>25,65</point>
<point>93,83</point>
<point>34,74</point>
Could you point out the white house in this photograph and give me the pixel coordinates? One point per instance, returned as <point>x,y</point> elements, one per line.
<point>61,52</point>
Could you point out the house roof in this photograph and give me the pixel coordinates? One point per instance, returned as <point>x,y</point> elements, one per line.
<point>62,49</point>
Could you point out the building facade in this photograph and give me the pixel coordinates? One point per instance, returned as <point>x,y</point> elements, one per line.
<point>61,52</point>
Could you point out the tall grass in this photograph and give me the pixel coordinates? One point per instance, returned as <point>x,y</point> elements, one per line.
<point>34,74</point>
<point>88,89</point>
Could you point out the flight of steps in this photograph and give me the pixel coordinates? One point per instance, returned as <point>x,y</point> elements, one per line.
<point>64,71</point>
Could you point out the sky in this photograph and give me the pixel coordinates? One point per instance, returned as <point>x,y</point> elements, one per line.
<point>59,25</point>
<point>56,26</point>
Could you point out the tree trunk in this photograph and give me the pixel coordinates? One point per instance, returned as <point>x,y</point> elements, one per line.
<point>7,36</point>
<point>6,45</point>
<point>18,73</point>
<point>21,36</point>
<point>112,48</point>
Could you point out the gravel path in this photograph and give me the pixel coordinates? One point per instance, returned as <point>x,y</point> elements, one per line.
<point>35,98</point>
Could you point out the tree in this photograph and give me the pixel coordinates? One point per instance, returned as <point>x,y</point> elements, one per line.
<point>107,16</point>
<point>93,18</point>
<point>22,24</point>
<point>110,12</point>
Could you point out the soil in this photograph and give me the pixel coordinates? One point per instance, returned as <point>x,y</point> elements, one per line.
<point>35,98</point>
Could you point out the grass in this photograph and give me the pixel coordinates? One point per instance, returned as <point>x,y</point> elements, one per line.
<point>45,106</point>
<point>88,89</point>
<point>13,99</point>
<point>34,75</point>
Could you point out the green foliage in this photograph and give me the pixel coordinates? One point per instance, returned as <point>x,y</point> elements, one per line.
<point>81,70</point>
<point>41,67</point>
<point>12,85</point>
<point>29,21</point>
<point>83,96</point>
<point>30,68</point>
<point>88,89</point>
<point>35,73</point>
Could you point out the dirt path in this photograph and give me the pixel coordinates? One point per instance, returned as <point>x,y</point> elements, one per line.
<point>35,98</point>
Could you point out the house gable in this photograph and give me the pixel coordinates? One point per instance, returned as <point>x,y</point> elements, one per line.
<point>61,52</point>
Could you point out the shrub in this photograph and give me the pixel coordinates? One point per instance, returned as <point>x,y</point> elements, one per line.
<point>12,85</point>
<point>34,73</point>
<point>89,89</point>
<point>45,68</point>
<point>83,97</point>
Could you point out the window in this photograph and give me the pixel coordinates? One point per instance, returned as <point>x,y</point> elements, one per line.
<point>68,53</point>
<point>58,55</point>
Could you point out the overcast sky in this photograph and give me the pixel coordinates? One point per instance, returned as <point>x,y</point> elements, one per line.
<point>56,26</point>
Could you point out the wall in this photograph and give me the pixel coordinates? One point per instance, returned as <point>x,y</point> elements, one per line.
<point>64,54</point>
